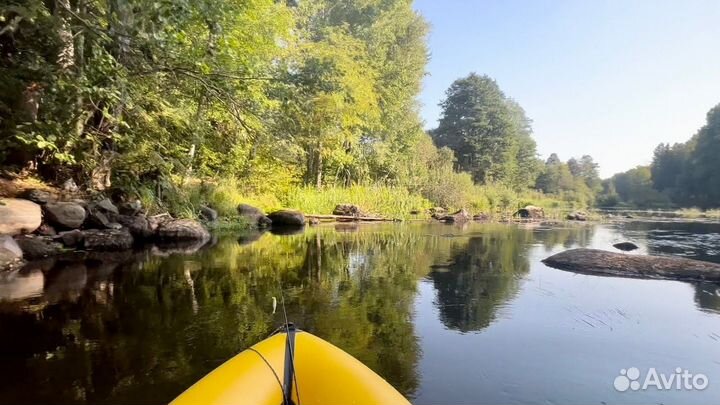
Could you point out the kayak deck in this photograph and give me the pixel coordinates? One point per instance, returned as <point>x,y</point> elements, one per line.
<point>323,374</point>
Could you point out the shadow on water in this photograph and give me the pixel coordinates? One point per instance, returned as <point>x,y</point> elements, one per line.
<point>140,327</point>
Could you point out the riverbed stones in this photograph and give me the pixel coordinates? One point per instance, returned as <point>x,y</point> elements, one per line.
<point>287,218</point>
<point>19,216</point>
<point>254,216</point>
<point>68,215</point>
<point>600,262</point>
<point>625,246</point>
<point>182,229</point>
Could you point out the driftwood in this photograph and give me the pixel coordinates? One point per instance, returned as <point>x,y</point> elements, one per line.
<point>593,261</point>
<point>348,218</point>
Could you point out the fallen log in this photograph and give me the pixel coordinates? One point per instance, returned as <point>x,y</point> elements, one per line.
<point>600,262</point>
<point>349,218</point>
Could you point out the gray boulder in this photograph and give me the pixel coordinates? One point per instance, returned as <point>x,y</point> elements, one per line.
<point>72,238</point>
<point>38,196</point>
<point>46,230</point>
<point>457,217</point>
<point>349,210</point>
<point>577,216</point>
<point>106,206</point>
<point>481,217</point>
<point>530,212</point>
<point>208,214</point>
<point>10,251</point>
<point>70,186</point>
<point>19,216</point>
<point>102,214</point>
<point>139,226</point>
<point>437,212</point>
<point>68,215</point>
<point>287,218</point>
<point>130,207</point>
<point>182,229</point>
<point>38,247</point>
<point>593,261</point>
<point>254,216</point>
<point>107,239</point>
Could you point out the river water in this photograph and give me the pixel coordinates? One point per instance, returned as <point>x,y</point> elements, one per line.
<point>447,314</point>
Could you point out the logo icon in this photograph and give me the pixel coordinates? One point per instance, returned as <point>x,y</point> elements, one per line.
<point>627,379</point>
<point>680,379</point>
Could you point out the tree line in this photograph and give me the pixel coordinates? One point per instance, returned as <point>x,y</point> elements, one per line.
<point>680,175</point>
<point>273,94</point>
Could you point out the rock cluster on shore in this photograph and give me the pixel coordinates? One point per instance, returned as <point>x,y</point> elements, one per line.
<point>39,226</point>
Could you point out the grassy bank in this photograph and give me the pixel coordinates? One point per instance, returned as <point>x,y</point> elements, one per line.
<point>389,201</point>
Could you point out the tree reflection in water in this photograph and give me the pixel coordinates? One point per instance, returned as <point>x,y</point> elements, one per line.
<point>141,327</point>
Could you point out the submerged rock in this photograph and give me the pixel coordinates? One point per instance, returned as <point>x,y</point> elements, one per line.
<point>594,261</point>
<point>626,246</point>
<point>19,216</point>
<point>68,215</point>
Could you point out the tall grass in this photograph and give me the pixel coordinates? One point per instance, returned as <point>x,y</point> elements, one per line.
<point>381,200</point>
<point>389,201</point>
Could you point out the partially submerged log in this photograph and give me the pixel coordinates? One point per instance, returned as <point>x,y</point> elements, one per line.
<point>600,262</point>
<point>347,218</point>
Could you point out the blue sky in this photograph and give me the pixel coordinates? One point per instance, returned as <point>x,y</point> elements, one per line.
<point>607,78</point>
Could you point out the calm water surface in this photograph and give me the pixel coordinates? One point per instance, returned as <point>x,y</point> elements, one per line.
<point>448,315</point>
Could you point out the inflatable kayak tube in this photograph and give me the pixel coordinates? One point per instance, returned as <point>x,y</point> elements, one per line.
<point>291,367</point>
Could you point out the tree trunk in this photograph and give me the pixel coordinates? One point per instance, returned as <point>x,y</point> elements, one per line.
<point>66,54</point>
<point>319,169</point>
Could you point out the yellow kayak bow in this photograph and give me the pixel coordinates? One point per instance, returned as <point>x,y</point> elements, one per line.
<point>291,367</point>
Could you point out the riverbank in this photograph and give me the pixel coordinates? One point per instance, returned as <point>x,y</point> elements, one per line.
<point>40,220</point>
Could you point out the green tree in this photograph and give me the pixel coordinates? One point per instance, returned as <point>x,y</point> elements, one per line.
<point>488,132</point>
